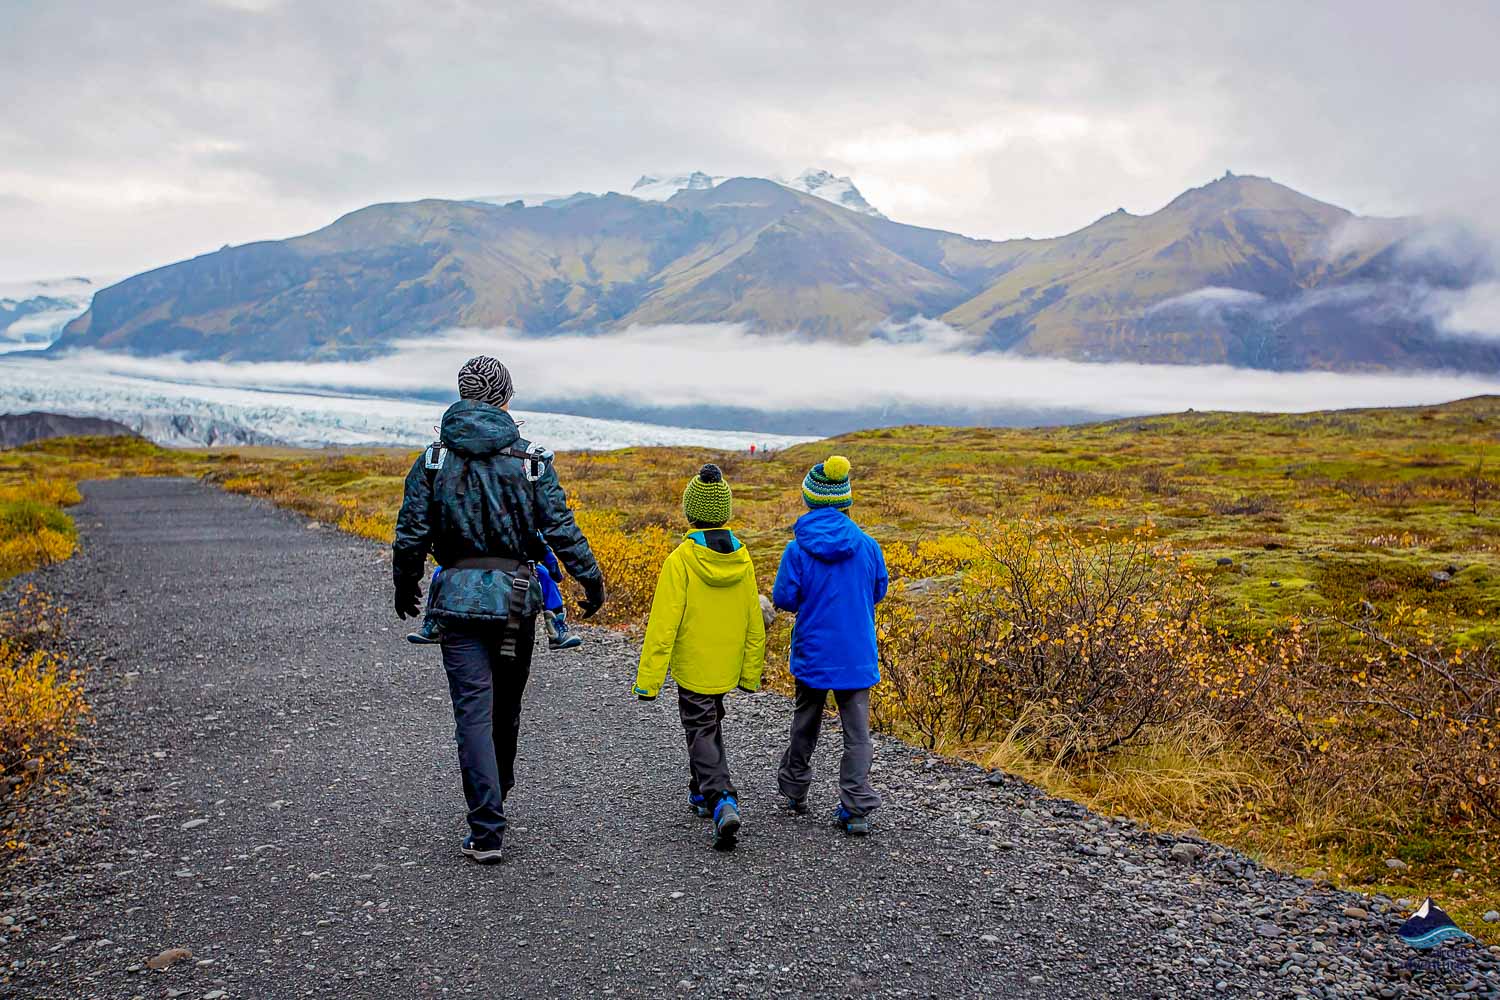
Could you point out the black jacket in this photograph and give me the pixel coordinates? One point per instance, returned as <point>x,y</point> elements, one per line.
<point>480,502</point>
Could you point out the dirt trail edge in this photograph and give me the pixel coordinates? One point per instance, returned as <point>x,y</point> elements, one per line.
<point>270,781</point>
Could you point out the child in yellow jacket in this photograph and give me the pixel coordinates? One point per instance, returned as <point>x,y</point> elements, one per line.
<point>706,627</point>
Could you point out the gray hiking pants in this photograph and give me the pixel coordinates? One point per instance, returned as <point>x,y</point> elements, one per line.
<point>855,790</point>
<point>702,716</point>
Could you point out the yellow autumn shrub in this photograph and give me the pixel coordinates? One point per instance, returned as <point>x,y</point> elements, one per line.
<point>41,700</point>
<point>33,533</point>
<point>52,491</point>
<point>929,557</point>
<point>377,524</point>
<point>630,560</point>
<point>1085,640</point>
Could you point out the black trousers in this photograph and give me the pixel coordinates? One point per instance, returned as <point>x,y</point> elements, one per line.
<point>486,689</point>
<point>702,718</point>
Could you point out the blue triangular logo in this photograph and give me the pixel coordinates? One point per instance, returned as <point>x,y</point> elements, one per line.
<point>1429,927</point>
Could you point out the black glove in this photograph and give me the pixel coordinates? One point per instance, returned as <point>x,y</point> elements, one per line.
<point>746,690</point>
<point>593,597</point>
<point>408,600</point>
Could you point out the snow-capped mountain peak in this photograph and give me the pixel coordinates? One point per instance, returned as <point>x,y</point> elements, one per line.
<point>818,183</point>
<point>839,190</point>
<point>660,187</point>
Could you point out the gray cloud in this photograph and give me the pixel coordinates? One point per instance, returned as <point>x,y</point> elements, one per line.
<point>135,134</point>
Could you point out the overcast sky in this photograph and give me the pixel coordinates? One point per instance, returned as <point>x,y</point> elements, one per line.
<point>134,134</point>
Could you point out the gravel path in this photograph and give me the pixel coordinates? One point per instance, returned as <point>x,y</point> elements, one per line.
<point>271,782</point>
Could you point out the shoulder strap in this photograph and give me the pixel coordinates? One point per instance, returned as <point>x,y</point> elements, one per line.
<point>534,460</point>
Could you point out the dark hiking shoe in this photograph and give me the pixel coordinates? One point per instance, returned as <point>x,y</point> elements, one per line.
<point>854,826</point>
<point>726,823</point>
<point>559,636</point>
<point>791,805</point>
<point>430,634</point>
<point>483,855</point>
<point>698,803</point>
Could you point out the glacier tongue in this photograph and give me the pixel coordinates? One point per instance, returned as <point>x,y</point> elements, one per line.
<point>183,414</point>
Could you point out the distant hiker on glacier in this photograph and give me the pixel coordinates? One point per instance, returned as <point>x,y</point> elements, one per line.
<point>831,577</point>
<point>706,626</point>
<point>479,504</point>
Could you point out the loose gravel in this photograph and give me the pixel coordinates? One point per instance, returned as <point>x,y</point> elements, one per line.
<point>270,788</point>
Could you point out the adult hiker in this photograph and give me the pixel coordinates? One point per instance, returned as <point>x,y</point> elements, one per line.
<point>482,501</point>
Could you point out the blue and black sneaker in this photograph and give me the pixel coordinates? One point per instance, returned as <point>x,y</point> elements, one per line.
<point>1429,927</point>
<point>559,636</point>
<point>483,855</point>
<point>430,634</point>
<point>791,805</point>
<point>698,803</point>
<point>726,823</point>
<point>853,825</point>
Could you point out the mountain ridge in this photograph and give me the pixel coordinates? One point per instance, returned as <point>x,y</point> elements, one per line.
<point>1241,270</point>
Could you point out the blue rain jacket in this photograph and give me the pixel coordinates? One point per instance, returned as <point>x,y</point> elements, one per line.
<point>831,577</point>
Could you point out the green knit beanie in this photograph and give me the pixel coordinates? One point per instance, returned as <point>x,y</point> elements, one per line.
<point>707,499</point>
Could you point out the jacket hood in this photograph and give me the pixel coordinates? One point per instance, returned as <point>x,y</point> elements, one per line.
<point>717,569</point>
<point>827,535</point>
<point>474,428</point>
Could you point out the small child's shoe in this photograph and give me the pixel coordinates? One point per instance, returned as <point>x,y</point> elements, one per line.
<point>854,826</point>
<point>559,636</point>
<point>791,805</point>
<point>698,802</point>
<point>430,634</point>
<point>726,823</point>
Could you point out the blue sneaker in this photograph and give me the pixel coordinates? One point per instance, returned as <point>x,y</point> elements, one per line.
<point>791,805</point>
<point>698,803</point>
<point>726,823</point>
<point>485,856</point>
<point>854,826</point>
<point>558,634</point>
<point>430,634</point>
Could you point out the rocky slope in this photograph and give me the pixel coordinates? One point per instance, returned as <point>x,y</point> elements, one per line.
<point>17,429</point>
<point>1241,271</point>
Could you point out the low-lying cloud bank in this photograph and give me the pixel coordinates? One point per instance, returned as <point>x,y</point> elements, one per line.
<point>722,376</point>
<point>183,413</point>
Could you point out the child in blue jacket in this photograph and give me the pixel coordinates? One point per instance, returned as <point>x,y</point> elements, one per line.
<point>831,577</point>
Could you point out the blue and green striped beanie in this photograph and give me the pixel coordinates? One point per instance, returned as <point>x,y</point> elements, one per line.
<point>827,485</point>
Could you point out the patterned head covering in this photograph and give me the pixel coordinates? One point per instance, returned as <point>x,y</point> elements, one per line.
<point>707,499</point>
<point>827,485</point>
<point>485,379</point>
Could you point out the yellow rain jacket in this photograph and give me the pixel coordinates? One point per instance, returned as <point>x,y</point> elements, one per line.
<point>706,622</point>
